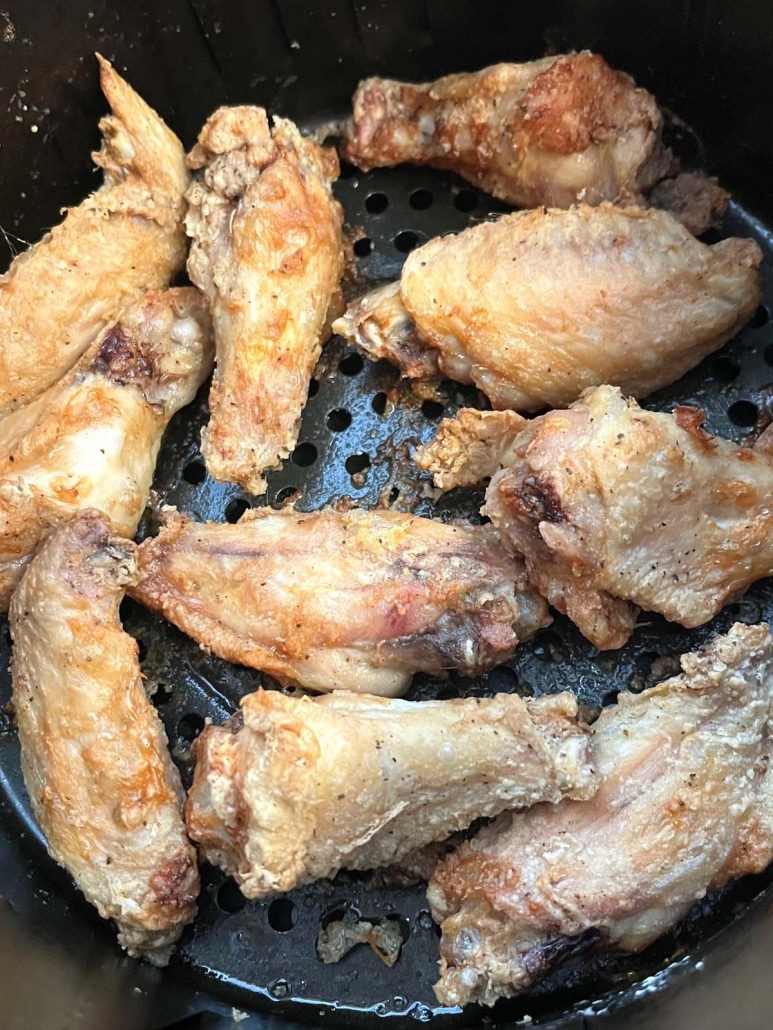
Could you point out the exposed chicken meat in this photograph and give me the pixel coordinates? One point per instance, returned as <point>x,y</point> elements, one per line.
<point>126,238</point>
<point>91,440</point>
<point>539,305</point>
<point>680,810</point>
<point>291,790</point>
<point>357,600</point>
<point>267,252</point>
<point>613,506</point>
<point>553,131</point>
<point>94,753</point>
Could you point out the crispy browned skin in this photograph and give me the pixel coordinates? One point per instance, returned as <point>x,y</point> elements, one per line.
<point>553,131</point>
<point>471,447</point>
<point>357,600</point>
<point>293,789</point>
<point>126,238</point>
<point>539,305</point>
<point>94,753</point>
<point>684,805</point>
<point>91,440</point>
<point>615,507</point>
<point>267,252</point>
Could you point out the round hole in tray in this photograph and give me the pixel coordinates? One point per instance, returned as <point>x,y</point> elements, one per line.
<point>190,726</point>
<point>432,409</point>
<point>162,694</point>
<point>229,898</point>
<point>421,199</point>
<point>466,200</point>
<point>282,915</point>
<point>379,403</point>
<point>743,413</point>
<point>338,419</point>
<point>351,364</point>
<point>194,472</point>
<point>304,455</point>
<point>235,509</point>
<point>347,170</point>
<point>406,241</point>
<point>284,495</point>
<point>357,463</point>
<point>376,203</point>
<point>759,317</point>
<point>313,387</point>
<point>725,370</point>
<point>363,246</point>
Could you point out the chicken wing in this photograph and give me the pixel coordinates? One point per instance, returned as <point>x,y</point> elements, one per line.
<point>331,600</point>
<point>126,238</point>
<point>682,765</point>
<point>94,753</point>
<point>553,131</point>
<point>294,789</point>
<point>267,252</point>
<point>91,440</point>
<point>613,507</point>
<point>539,305</point>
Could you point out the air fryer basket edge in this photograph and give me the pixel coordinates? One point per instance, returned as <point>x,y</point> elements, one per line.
<point>187,58</point>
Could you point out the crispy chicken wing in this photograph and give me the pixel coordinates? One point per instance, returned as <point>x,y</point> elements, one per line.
<point>357,600</point>
<point>682,766</point>
<point>539,305</point>
<point>126,238</point>
<point>553,131</point>
<point>267,252</point>
<point>94,753</point>
<point>294,789</point>
<point>91,440</point>
<point>613,507</point>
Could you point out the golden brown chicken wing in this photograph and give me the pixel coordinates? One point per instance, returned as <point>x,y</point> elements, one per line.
<point>356,600</point>
<point>267,252</point>
<point>294,789</point>
<point>613,507</point>
<point>539,305</point>
<point>94,753</point>
<point>683,769</point>
<point>471,447</point>
<point>126,238</point>
<point>553,131</point>
<point>91,440</point>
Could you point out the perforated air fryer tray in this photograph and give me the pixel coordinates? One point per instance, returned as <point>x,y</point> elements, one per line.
<point>359,431</point>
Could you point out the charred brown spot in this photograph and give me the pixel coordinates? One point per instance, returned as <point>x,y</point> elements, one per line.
<point>175,883</point>
<point>538,499</point>
<point>691,420</point>
<point>120,359</point>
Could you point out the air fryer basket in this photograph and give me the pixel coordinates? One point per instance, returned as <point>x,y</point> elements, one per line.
<point>358,433</point>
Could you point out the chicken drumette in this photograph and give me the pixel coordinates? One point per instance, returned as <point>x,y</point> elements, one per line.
<point>539,305</point>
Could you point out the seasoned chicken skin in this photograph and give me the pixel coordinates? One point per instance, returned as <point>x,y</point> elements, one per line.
<point>539,305</point>
<point>553,131</point>
<point>683,769</point>
<point>94,753</point>
<point>126,238</point>
<point>267,251</point>
<point>91,440</point>
<point>614,507</point>
<point>331,600</point>
<point>293,789</point>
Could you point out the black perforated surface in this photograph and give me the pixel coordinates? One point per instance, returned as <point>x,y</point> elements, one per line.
<point>359,431</point>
